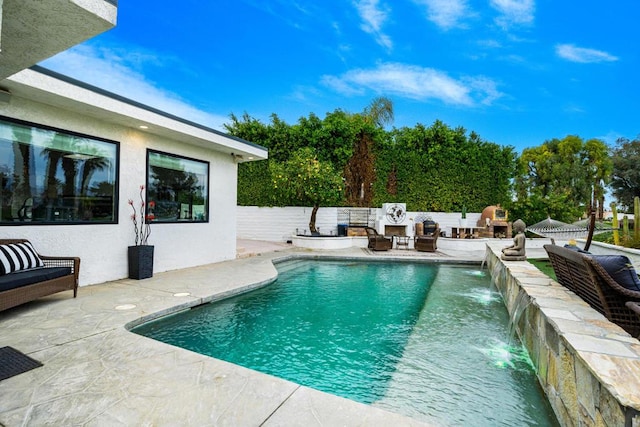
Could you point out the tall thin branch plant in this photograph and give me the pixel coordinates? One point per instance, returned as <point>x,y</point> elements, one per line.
<point>142,229</point>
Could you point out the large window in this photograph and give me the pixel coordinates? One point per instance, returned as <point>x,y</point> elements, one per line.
<point>179,188</point>
<point>50,176</point>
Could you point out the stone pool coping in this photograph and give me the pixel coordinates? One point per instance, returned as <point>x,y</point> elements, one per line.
<point>588,366</point>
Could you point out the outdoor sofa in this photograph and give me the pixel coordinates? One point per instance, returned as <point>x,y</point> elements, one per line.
<point>26,275</point>
<point>605,282</point>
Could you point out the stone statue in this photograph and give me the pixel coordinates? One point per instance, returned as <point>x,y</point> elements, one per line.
<point>516,251</point>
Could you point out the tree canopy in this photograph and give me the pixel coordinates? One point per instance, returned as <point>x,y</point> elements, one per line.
<point>625,179</point>
<point>431,168</point>
<point>562,178</point>
<point>303,179</point>
<point>438,168</point>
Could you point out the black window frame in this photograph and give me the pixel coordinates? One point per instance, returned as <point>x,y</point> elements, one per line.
<point>116,177</point>
<point>158,203</point>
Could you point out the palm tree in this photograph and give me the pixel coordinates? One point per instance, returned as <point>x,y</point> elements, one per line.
<point>95,163</point>
<point>600,168</point>
<point>23,170</point>
<point>380,111</point>
<point>360,169</point>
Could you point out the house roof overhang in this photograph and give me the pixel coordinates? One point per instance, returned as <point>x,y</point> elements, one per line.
<point>50,88</point>
<point>34,30</point>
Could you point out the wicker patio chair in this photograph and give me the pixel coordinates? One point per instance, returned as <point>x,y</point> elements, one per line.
<point>427,242</point>
<point>635,307</point>
<point>583,275</point>
<point>378,242</point>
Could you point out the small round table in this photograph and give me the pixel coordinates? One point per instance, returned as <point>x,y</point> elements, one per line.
<point>401,241</point>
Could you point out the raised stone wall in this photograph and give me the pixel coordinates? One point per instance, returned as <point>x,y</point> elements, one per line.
<point>588,367</point>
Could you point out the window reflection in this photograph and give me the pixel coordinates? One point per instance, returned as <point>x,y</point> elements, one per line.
<point>179,187</point>
<point>52,176</point>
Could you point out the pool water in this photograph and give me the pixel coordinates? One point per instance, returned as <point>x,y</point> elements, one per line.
<point>424,340</point>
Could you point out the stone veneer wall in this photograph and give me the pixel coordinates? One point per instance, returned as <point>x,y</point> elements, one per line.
<point>588,367</point>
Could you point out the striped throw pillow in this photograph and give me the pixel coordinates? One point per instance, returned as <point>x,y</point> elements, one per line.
<point>18,256</point>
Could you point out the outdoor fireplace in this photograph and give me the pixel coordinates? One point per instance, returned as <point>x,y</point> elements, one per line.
<point>395,230</point>
<point>393,220</point>
<point>494,223</point>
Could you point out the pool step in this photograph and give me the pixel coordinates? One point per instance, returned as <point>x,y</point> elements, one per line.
<point>290,265</point>
<point>242,252</point>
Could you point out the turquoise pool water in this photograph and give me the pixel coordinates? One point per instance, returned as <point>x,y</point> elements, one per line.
<point>428,341</point>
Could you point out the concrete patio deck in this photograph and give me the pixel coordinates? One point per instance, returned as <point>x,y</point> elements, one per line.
<point>97,373</point>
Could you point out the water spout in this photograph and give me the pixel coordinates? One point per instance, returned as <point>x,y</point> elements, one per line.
<point>496,272</point>
<point>521,303</point>
<point>487,253</point>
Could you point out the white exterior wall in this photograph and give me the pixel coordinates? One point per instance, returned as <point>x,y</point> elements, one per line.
<point>279,224</point>
<point>103,247</point>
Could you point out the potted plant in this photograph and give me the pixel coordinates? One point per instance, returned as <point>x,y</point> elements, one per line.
<point>140,256</point>
<point>463,217</point>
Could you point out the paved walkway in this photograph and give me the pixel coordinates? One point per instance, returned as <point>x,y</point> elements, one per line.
<point>246,247</point>
<point>97,373</point>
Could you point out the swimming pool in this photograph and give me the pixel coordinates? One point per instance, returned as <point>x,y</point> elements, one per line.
<point>425,340</point>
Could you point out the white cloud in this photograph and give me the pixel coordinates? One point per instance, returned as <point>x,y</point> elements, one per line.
<point>281,9</point>
<point>374,17</point>
<point>490,43</point>
<point>485,88</point>
<point>514,12</point>
<point>304,94</point>
<point>583,55</point>
<point>446,14</point>
<point>573,109</point>
<point>611,137</point>
<point>118,73</point>
<point>343,85</point>
<point>415,82</point>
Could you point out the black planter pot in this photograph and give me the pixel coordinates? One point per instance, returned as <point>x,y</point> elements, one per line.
<point>140,262</point>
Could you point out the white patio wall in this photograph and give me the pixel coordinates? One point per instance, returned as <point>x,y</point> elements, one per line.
<point>279,224</point>
<point>103,247</point>
<point>599,248</point>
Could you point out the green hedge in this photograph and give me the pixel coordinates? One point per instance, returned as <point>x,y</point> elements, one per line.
<point>434,168</point>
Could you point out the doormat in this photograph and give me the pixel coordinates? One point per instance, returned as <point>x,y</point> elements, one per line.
<point>13,362</point>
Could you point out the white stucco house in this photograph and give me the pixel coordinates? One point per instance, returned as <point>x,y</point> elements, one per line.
<point>72,155</point>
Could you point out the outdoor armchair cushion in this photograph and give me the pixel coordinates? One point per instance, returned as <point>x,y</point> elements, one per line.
<point>620,269</point>
<point>29,277</point>
<point>18,256</point>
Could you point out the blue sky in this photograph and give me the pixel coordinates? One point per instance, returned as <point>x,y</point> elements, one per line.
<point>517,72</point>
